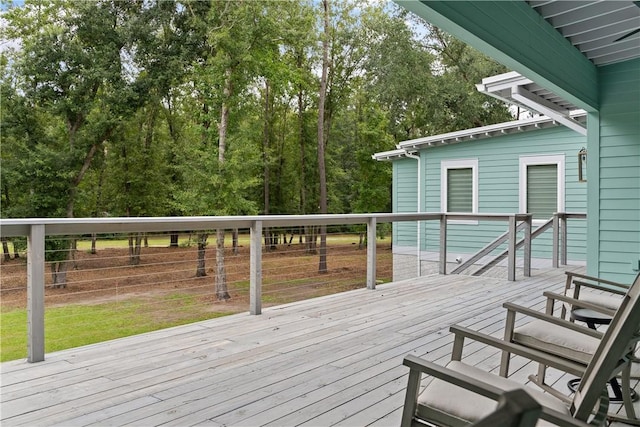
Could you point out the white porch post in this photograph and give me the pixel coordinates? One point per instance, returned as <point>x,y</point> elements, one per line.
<point>35,293</point>
<point>255,260</point>
<point>371,253</point>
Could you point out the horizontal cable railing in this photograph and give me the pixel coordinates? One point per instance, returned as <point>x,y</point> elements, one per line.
<point>162,271</point>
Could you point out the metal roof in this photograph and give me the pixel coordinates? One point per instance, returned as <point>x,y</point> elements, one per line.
<point>606,31</point>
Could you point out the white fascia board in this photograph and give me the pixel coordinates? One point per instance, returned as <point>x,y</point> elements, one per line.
<point>477,133</point>
<point>501,82</point>
<point>389,155</point>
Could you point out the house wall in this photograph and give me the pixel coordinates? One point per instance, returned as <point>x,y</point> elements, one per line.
<point>614,228</point>
<point>498,192</point>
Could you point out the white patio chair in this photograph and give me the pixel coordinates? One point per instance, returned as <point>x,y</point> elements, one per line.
<point>458,394</point>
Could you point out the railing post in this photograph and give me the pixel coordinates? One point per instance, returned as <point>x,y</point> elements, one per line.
<point>255,274</point>
<point>555,243</point>
<point>527,246</point>
<point>371,253</point>
<point>563,237</point>
<point>35,293</point>
<point>511,272</point>
<point>443,244</point>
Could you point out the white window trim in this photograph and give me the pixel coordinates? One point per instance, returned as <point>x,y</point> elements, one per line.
<point>445,165</point>
<point>559,161</point>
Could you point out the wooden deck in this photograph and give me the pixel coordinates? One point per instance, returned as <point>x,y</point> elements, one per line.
<point>335,360</point>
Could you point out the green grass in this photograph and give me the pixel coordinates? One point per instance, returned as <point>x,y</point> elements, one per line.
<point>77,325</point>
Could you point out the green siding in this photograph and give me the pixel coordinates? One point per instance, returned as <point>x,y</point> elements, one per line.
<point>405,199</point>
<point>618,234</point>
<point>498,176</point>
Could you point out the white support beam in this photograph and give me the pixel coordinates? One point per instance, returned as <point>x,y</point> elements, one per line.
<point>547,108</point>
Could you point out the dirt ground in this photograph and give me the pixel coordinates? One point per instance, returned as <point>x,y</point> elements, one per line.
<point>289,274</point>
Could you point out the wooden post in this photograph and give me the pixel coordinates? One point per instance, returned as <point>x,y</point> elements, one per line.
<point>255,274</point>
<point>443,243</point>
<point>555,241</point>
<point>527,246</point>
<point>512,249</point>
<point>371,253</point>
<point>35,293</point>
<point>563,239</point>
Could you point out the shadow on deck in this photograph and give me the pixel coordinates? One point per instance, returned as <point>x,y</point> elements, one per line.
<point>334,360</point>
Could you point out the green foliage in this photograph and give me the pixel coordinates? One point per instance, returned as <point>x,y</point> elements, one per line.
<point>121,108</point>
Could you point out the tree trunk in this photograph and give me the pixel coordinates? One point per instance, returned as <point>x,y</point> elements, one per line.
<point>135,243</point>
<point>221,275</point>
<point>5,249</point>
<point>201,270</point>
<point>59,274</point>
<point>234,239</point>
<point>322,265</point>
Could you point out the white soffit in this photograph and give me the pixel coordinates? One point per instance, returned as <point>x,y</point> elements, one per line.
<point>514,88</point>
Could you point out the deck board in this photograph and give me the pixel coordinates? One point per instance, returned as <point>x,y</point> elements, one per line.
<point>334,360</point>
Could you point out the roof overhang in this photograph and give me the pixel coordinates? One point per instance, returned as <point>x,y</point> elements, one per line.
<point>516,89</point>
<point>387,156</point>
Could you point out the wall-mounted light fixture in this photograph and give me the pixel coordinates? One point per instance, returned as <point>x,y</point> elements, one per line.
<point>582,165</point>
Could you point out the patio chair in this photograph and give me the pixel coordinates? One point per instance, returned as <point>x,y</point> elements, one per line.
<point>516,408</point>
<point>592,291</point>
<point>569,341</point>
<point>461,394</point>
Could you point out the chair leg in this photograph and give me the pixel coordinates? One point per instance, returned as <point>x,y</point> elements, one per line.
<point>626,392</point>
<point>411,398</point>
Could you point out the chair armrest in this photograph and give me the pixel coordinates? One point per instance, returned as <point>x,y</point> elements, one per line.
<point>572,274</point>
<point>420,365</point>
<point>614,289</point>
<point>579,303</point>
<point>555,320</point>
<point>562,363</point>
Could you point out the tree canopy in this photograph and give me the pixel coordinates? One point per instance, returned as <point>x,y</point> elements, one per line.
<point>168,107</point>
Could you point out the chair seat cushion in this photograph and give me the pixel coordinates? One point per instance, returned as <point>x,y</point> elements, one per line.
<point>556,340</point>
<point>470,406</point>
<point>604,300</point>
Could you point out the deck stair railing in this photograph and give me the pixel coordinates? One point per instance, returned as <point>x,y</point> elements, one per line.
<point>559,244</point>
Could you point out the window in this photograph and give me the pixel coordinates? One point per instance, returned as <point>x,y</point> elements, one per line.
<point>459,186</point>
<point>542,185</point>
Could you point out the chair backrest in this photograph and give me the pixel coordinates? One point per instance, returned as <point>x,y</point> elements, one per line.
<point>611,354</point>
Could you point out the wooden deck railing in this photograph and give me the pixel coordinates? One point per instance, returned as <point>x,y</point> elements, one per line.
<point>37,229</point>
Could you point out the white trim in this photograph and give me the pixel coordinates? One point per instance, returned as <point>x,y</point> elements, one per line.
<point>552,159</point>
<point>445,165</point>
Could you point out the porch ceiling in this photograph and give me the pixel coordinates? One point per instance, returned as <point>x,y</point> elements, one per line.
<point>604,31</point>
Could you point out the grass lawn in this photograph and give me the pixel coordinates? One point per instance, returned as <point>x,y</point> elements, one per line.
<point>77,325</point>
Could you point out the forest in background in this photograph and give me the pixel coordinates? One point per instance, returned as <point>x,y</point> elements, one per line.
<point>173,108</point>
